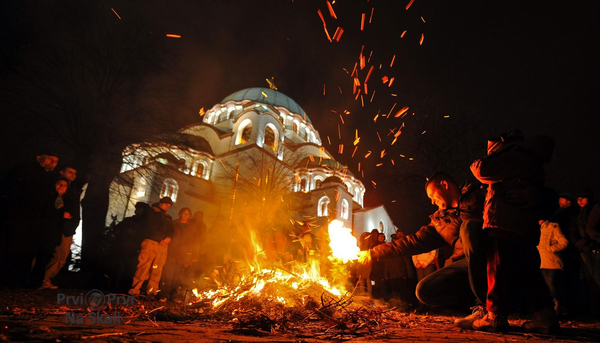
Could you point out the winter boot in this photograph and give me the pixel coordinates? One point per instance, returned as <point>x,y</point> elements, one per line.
<point>544,321</point>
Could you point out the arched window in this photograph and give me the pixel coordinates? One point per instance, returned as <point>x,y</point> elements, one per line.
<point>381,227</point>
<point>270,137</point>
<point>295,126</point>
<point>356,194</point>
<point>318,181</point>
<point>169,188</point>
<point>244,132</point>
<point>223,114</point>
<point>349,185</point>
<point>304,186</point>
<point>345,209</point>
<point>200,169</point>
<point>322,210</point>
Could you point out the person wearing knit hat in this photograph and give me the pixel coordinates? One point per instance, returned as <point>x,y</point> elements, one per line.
<point>586,193</point>
<point>154,248</point>
<point>565,216</point>
<point>566,197</point>
<point>587,241</point>
<point>166,200</point>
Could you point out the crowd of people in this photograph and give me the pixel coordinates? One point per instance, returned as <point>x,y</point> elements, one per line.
<point>517,244</point>
<point>147,253</point>
<point>40,214</point>
<point>168,255</point>
<point>503,242</point>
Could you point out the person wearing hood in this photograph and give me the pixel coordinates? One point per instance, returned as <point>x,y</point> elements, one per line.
<point>153,256</point>
<point>513,261</point>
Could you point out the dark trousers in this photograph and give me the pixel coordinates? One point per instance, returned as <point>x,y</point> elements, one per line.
<point>24,241</point>
<point>591,272</point>
<point>553,278</point>
<point>424,272</point>
<point>473,239</point>
<point>513,267</point>
<point>177,279</point>
<point>571,286</point>
<point>591,263</point>
<point>397,288</point>
<point>44,254</point>
<point>447,287</point>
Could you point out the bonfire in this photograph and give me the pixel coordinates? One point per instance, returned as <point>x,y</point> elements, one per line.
<point>291,298</point>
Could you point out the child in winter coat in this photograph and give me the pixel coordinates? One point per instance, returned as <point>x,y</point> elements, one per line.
<point>552,241</point>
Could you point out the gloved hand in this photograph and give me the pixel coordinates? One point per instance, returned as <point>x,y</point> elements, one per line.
<point>364,256</point>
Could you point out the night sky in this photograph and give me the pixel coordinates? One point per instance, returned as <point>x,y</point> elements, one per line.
<point>483,68</point>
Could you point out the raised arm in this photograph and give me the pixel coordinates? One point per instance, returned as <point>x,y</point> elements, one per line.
<point>424,240</point>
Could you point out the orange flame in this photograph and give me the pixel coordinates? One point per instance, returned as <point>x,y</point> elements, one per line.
<point>342,243</point>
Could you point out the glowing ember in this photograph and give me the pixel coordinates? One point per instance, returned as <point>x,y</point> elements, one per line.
<point>343,244</point>
<point>117,14</point>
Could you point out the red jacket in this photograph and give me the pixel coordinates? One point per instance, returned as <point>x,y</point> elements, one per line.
<point>502,171</point>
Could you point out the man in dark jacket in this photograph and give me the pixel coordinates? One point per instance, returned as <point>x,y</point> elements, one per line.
<point>592,229</point>
<point>586,236</point>
<point>513,262</point>
<point>128,237</point>
<point>457,223</point>
<point>27,198</point>
<point>69,223</point>
<point>570,284</point>
<point>153,255</point>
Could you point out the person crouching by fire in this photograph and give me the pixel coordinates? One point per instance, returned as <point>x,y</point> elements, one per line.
<point>153,255</point>
<point>457,223</point>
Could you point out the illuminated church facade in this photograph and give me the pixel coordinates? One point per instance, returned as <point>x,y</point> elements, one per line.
<point>256,135</point>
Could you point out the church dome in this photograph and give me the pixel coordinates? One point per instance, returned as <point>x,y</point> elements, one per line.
<point>274,98</point>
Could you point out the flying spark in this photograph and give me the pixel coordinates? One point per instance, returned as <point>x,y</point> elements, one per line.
<point>117,14</point>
